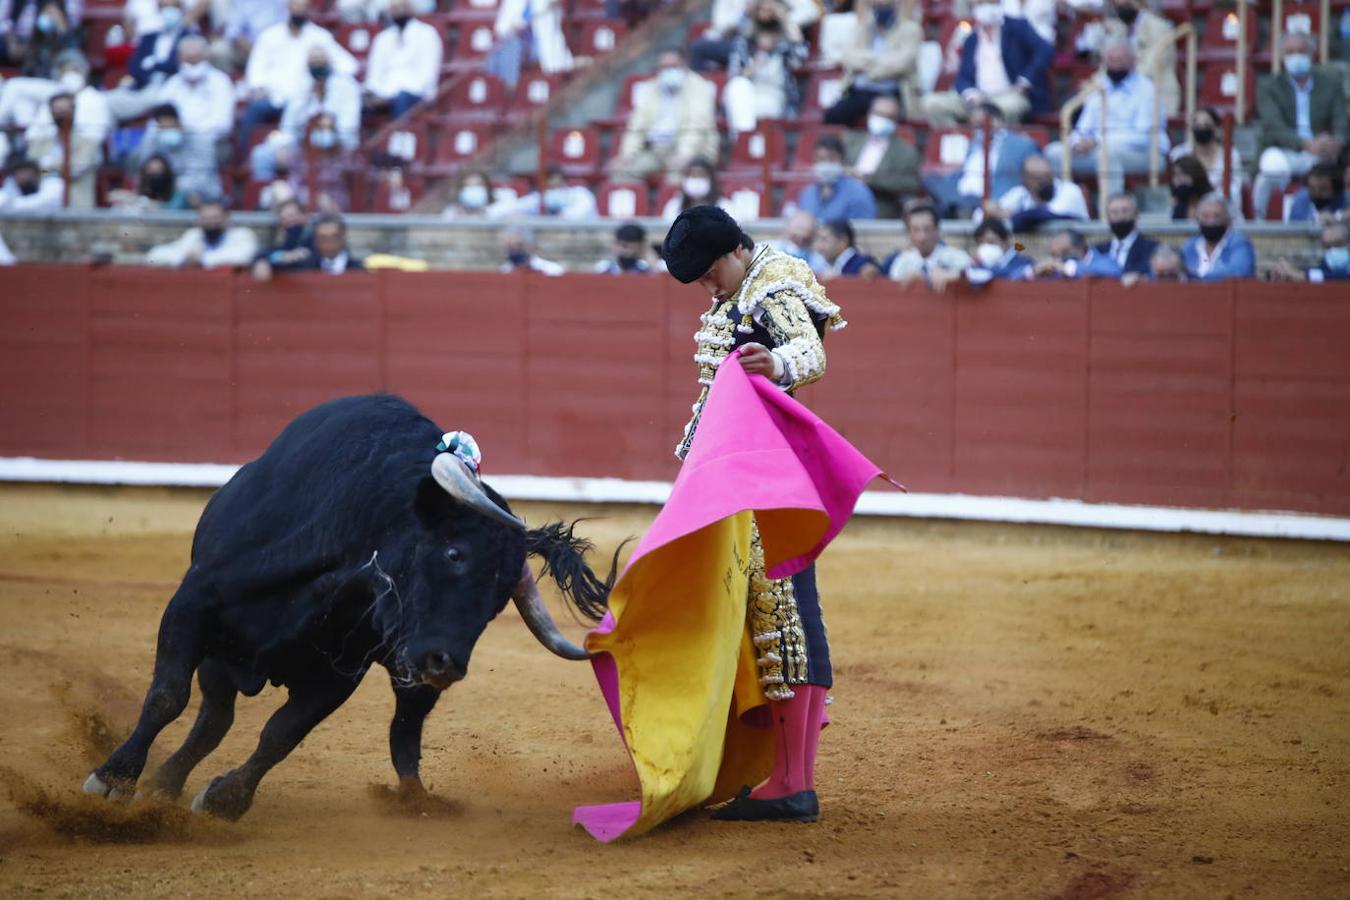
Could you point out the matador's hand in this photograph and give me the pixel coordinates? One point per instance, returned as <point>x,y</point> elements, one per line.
<point>757,360</point>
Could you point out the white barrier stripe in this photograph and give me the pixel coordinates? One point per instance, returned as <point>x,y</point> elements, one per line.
<point>873,503</point>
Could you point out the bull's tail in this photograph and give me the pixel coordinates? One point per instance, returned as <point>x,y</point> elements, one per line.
<point>564,554</point>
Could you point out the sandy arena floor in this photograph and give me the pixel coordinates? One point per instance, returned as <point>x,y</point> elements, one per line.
<point>1020,712</point>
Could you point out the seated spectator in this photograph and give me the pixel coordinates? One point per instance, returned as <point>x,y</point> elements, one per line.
<point>1040,198</point>
<point>673,122</point>
<point>404,67</point>
<point>763,66</point>
<point>1207,147</point>
<point>835,194</point>
<point>729,18</point>
<point>698,188</point>
<point>331,255</point>
<point>558,198</point>
<point>23,100</point>
<point>1220,251</point>
<point>1322,199</point>
<point>212,243</point>
<point>882,60</point>
<point>996,259</point>
<point>1303,119</point>
<point>202,94</point>
<point>325,167</point>
<point>1130,121</point>
<point>799,240</point>
<point>34,34</point>
<point>1332,265</point>
<point>518,244</point>
<point>1129,249</point>
<point>1166,264</point>
<point>276,160</point>
<point>528,31</point>
<point>156,188</point>
<point>327,92</point>
<point>630,251</point>
<point>155,59</point>
<point>1003,61</point>
<point>928,258</point>
<point>1071,257</point>
<point>473,196</point>
<point>291,245</point>
<point>193,156</point>
<point>47,140</point>
<point>1190,183</point>
<point>837,245</point>
<point>278,68</point>
<point>1041,15</point>
<point>27,190</point>
<point>1151,36</point>
<point>247,20</point>
<point>887,163</point>
<point>959,193</point>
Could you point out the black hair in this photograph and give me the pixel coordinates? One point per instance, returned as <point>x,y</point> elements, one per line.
<point>747,241</point>
<point>630,231</point>
<point>1331,172</point>
<point>329,219</point>
<point>165,109</point>
<point>18,161</point>
<point>830,142</point>
<point>922,209</point>
<point>992,226</point>
<point>169,184</point>
<point>840,228</point>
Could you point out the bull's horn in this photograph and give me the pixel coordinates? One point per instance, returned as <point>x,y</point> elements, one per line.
<point>535,614</point>
<point>452,475</point>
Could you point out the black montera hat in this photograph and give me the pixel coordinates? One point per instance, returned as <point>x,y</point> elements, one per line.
<point>698,238</point>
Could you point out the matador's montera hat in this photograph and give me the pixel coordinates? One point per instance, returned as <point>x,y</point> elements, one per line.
<point>698,238</point>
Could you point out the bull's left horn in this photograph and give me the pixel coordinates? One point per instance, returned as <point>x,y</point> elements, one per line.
<point>454,476</point>
<point>541,624</point>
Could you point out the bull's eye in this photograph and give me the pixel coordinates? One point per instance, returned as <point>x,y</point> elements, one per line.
<point>453,554</point>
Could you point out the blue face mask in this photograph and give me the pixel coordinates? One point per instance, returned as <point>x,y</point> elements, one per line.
<point>1298,64</point>
<point>1337,258</point>
<point>323,138</point>
<point>170,138</point>
<point>45,24</point>
<point>555,200</point>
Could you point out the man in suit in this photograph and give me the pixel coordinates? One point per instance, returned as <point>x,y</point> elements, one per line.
<point>835,242</point>
<point>673,122</point>
<point>1003,61</point>
<point>154,60</point>
<point>958,193</point>
<point>1219,251</point>
<point>886,163</point>
<point>1128,248</point>
<point>1303,119</point>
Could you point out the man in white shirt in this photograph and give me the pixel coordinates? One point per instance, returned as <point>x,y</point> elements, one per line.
<point>1039,198</point>
<point>278,67</point>
<point>404,67</point>
<point>1131,117</point>
<point>153,62</point>
<point>212,243</point>
<point>202,94</point>
<point>331,92</point>
<point>27,190</point>
<point>928,258</point>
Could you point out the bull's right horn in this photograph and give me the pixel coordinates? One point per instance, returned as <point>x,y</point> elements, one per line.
<point>454,476</point>
<point>536,616</point>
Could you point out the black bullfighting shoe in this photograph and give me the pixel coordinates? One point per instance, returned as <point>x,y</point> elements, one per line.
<point>799,807</point>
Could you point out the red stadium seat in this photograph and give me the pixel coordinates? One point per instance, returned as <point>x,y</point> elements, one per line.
<point>356,38</point>
<point>623,105</point>
<point>1218,88</point>
<point>748,193</point>
<point>821,92</point>
<point>472,44</point>
<point>598,38</point>
<point>623,199</point>
<point>806,143</point>
<point>1220,37</point>
<point>474,96</point>
<point>464,11</point>
<point>576,150</point>
<point>753,149</point>
<point>457,143</point>
<point>534,91</point>
<point>395,191</point>
<point>411,143</point>
<point>945,151</point>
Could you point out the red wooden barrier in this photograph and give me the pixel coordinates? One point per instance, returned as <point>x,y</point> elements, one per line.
<point>1216,395</point>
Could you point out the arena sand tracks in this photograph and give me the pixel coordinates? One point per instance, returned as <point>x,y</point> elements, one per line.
<point>1021,712</point>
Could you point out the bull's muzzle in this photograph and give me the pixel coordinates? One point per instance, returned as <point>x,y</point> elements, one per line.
<point>438,669</point>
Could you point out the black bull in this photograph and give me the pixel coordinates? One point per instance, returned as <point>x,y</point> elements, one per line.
<point>351,541</point>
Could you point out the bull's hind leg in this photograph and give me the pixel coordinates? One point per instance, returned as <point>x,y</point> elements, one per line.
<point>178,652</point>
<point>230,795</point>
<point>213,721</point>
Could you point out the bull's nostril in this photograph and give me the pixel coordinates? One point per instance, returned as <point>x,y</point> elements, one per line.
<point>437,663</point>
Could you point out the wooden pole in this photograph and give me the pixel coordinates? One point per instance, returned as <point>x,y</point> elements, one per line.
<point>1242,62</point>
<point>1276,33</point>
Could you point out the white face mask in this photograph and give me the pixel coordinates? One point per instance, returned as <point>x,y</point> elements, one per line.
<point>473,196</point>
<point>194,71</point>
<point>989,14</point>
<point>697,187</point>
<point>988,254</point>
<point>72,82</point>
<point>828,172</point>
<point>880,126</point>
<point>671,79</point>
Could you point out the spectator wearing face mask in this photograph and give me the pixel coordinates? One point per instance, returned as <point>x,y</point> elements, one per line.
<point>1040,198</point>
<point>837,245</point>
<point>156,188</point>
<point>698,187</point>
<point>928,258</point>
<point>1128,248</point>
<point>1071,257</point>
<point>202,94</point>
<point>882,60</point>
<point>328,92</point>
<point>630,251</point>
<point>728,18</point>
<point>996,259</point>
<point>1220,251</point>
<point>518,245</point>
<point>47,141</point>
<point>404,67</point>
<point>193,155</point>
<point>673,122</point>
<point>887,163</point>
<point>1321,200</point>
<point>27,190</point>
<point>23,101</point>
<point>558,198</point>
<point>1004,62</point>
<point>1207,147</point>
<point>246,22</point>
<point>1303,119</point>
<point>473,195</point>
<point>1190,183</point>
<point>762,68</point>
<point>155,60</point>
<point>1332,265</point>
<point>279,69</point>
<point>212,243</point>
<point>23,24</point>
<point>835,194</point>
<point>1151,36</point>
<point>324,167</point>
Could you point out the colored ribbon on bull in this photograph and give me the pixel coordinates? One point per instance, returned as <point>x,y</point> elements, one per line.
<point>674,659</point>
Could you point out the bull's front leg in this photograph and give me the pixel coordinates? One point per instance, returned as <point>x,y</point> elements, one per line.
<point>412,705</point>
<point>230,795</point>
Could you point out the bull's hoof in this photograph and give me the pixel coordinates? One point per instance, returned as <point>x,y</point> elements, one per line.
<point>113,789</point>
<point>224,798</point>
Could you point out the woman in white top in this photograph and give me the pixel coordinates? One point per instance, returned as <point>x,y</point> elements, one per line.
<point>698,188</point>
<point>1207,146</point>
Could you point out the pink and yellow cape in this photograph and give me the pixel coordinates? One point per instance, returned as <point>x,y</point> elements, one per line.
<point>674,659</point>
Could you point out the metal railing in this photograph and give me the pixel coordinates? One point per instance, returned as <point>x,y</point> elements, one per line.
<point>1184,32</point>
<point>1066,112</point>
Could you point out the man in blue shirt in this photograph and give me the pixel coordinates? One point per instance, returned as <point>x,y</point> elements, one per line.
<point>1332,265</point>
<point>995,256</point>
<point>1071,257</point>
<point>1220,251</point>
<point>835,194</point>
<point>1321,199</point>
